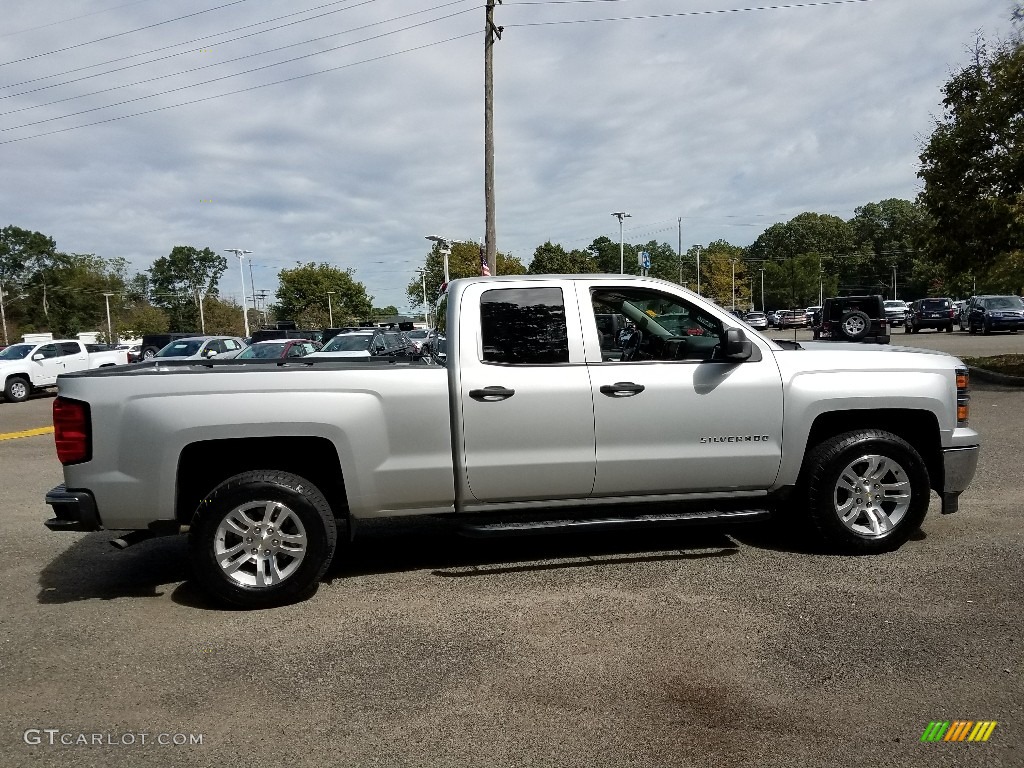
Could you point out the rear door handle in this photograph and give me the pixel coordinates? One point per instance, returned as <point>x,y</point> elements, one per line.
<point>491,394</point>
<point>622,389</point>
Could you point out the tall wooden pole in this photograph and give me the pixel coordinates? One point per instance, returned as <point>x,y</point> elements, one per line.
<point>491,33</point>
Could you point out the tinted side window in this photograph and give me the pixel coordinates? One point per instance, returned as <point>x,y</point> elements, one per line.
<point>524,326</point>
<point>48,351</point>
<point>69,348</point>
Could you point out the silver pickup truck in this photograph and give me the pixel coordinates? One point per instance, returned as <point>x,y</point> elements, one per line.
<point>537,421</point>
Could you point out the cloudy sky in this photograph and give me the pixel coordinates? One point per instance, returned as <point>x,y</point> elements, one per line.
<point>346,132</point>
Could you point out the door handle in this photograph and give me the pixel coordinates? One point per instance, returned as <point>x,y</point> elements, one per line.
<point>622,389</point>
<point>491,394</point>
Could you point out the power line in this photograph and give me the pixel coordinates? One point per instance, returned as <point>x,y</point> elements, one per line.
<point>222,63</point>
<point>186,42</point>
<point>71,18</point>
<point>120,34</point>
<point>236,74</point>
<point>679,14</point>
<point>240,90</point>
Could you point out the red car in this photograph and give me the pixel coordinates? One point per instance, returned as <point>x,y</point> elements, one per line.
<point>275,349</point>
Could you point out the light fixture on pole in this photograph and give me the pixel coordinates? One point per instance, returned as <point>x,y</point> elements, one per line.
<point>446,250</point>
<point>620,215</point>
<point>240,253</point>
<point>110,332</point>
<point>330,310</point>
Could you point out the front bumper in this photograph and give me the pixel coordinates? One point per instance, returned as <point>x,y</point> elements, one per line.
<point>73,510</point>
<point>959,466</point>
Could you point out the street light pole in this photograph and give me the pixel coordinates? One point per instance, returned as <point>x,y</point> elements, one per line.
<point>110,332</point>
<point>762,289</point>
<point>446,249</point>
<point>620,215</point>
<point>698,270</point>
<point>894,282</point>
<point>240,253</point>
<point>330,309</point>
<point>423,282</point>
<point>3,314</point>
<point>733,262</point>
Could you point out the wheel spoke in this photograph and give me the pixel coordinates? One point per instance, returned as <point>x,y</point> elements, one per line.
<point>229,566</point>
<point>293,542</point>
<point>268,512</point>
<point>238,522</point>
<point>879,521</point>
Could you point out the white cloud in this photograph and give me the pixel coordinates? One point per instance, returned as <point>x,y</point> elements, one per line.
<point>730,120</point>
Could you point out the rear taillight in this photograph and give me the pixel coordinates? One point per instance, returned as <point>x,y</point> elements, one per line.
<point>71,431</point>
<point>963,398</point>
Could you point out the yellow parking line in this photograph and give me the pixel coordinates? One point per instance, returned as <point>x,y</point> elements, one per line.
<point>26,433</point>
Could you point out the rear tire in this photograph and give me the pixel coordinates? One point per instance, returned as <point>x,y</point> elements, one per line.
<point>261,539</point>
<point>867,491</point>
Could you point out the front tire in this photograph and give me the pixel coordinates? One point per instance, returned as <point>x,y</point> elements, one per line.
<point>17,390</point>
<point>261,539</point>
<point>866,490</point>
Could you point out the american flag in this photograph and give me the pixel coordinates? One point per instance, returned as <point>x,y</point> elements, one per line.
<point>485,270</point>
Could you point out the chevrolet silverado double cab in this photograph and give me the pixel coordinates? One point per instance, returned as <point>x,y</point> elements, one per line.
<point>25,368</point>
<point>537,421</point>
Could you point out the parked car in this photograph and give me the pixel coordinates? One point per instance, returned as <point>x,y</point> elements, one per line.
<point>154,342</point>
<point>809,314</point>
<point>758,320</point>
<point>26,368</point>
<point>275,349</point>
<point>787,318</point>
<point>852,318</point>
<point>994,313</point>
<point>134,351</point>
<point>930,313</point>
<point>527,425</point>
<point>366,343</point>
<point>202,348</point>
<point>895,312</point>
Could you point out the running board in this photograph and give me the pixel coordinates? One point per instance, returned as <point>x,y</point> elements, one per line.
<point>533,527</point>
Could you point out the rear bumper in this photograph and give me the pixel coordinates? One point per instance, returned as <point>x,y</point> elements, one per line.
<point>959,465</point>
<point>73,510</point>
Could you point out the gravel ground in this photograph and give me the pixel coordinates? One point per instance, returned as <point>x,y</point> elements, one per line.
<point>698,647</point>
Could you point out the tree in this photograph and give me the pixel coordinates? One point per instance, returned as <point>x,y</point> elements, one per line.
<point>606,257</point>
<point>894,232</point>
<point>973,165</point>
<point>20,251</point>
<point>463,261</point>
<point>810,255</point>
<point>551,259</point>
<point>141,319</point>
<point>303,296</point>
<point>719,262</point>
<point>180,279</point>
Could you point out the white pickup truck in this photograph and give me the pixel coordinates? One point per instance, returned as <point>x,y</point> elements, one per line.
<point>27,367</point>
<point>537,421</point>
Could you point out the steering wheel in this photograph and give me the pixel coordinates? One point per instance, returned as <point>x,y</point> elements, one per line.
<point>631,346</point>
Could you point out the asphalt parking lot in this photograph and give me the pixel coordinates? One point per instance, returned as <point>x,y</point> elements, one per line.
<point>702,647</point>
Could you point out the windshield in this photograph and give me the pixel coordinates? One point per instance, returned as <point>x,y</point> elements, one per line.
<point>263,351</point>
<point>421,334</point>
<point>1003,302</point>
<point>933,304</point>
<point>348,342</point>
<point>17,352</point>
<point>183,348</point>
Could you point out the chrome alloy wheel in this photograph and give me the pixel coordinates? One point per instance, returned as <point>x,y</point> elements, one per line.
<point>872,495</point>
<point>260,543</point>
<point>854,325</point>
<point>18,390</point>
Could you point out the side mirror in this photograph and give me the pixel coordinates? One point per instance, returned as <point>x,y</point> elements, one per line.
<point>737,347</point>
<point>37,357</point>
<point>211,353</point>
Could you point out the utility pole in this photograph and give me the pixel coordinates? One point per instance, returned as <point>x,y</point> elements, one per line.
<point>252,285</point>
<point>762,289</point>
<point>698,270</point>
<point>491,32</point>
<point>241,253</point>
<point>110,331</point>
<point>3,314</point>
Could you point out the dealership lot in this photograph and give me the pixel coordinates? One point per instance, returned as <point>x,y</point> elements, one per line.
<point>694,647</point>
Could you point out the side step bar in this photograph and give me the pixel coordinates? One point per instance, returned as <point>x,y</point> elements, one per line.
<point>517,526</point>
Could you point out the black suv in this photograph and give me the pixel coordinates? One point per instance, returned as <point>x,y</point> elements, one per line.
<point>852,318</point>
<point>993,313</point>
<point>930,313</point>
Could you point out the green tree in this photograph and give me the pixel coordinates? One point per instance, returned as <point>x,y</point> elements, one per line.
<point>552,259</point>
<point>894,233</point>
<point>606,257</point>
<point>137,320</point>
<point>463,261</point>
<point>973,166</point>
<point>302,296</point>
<point>719,262</point>
<point>180,279</point>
